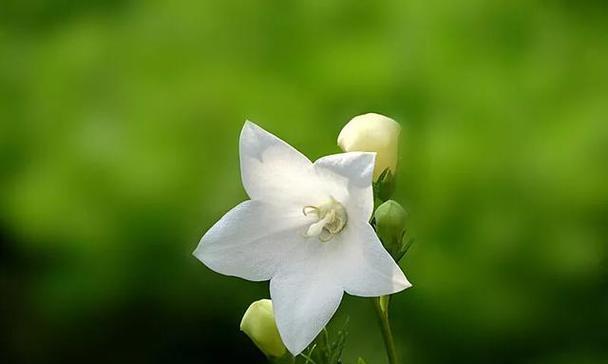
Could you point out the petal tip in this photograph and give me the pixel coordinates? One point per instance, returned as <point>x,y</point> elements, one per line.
<point>401,283</point>
<point>295,348</point>
<point>247,127</point>
<point>372,156</point>
<point>198,252</point>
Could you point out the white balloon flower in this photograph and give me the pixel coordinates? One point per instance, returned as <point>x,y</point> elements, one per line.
<point>306,229</point>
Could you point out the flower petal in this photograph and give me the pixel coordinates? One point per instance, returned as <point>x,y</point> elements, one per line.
<point>303,302</point>
<point>272,170</point>
<point>252,240</point>
<point>348,176</point>
<point>371,271</point>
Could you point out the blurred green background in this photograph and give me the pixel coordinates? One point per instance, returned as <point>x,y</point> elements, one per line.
<point>119,124</point>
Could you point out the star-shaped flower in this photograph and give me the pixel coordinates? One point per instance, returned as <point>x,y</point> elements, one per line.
<point>306,229</point>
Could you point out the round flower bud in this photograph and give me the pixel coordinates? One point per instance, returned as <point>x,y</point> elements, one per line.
<point>390,220</point>
<point>259,324</point>
<point>373,133</point>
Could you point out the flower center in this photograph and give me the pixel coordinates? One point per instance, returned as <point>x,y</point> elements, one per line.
<point>331,219</point>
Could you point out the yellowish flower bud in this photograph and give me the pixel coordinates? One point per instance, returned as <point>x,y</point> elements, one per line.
<point>259,324</point>
<point>373,133</point>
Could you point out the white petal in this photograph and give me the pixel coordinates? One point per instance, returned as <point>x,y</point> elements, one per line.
<point>303,302</point>
<point>252,240</point>
<point>370,271</point>
<point>348,176</point>
<point>272,170</point>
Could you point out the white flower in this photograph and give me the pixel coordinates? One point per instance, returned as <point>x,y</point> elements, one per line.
<point>306,230</point>
<point>373,133</point>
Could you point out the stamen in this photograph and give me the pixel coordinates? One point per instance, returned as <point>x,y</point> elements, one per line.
<point>310,210</point>
<point>331,220</point>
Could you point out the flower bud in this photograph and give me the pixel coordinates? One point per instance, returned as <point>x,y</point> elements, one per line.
<point>373,133</point>
<point>390,226</point>
<point>259,324</point>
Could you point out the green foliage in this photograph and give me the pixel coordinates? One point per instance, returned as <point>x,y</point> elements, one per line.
<point>327,348</point>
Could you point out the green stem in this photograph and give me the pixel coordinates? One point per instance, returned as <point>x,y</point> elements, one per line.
<point>381,306</point>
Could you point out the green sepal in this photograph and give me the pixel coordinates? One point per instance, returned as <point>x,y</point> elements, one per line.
<point>383,302</point>
<point>384,186</point>
<point>406,244</point>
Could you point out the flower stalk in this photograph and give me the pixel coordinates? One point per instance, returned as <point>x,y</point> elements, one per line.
<point>380,134</point>
<point>381,307</point>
